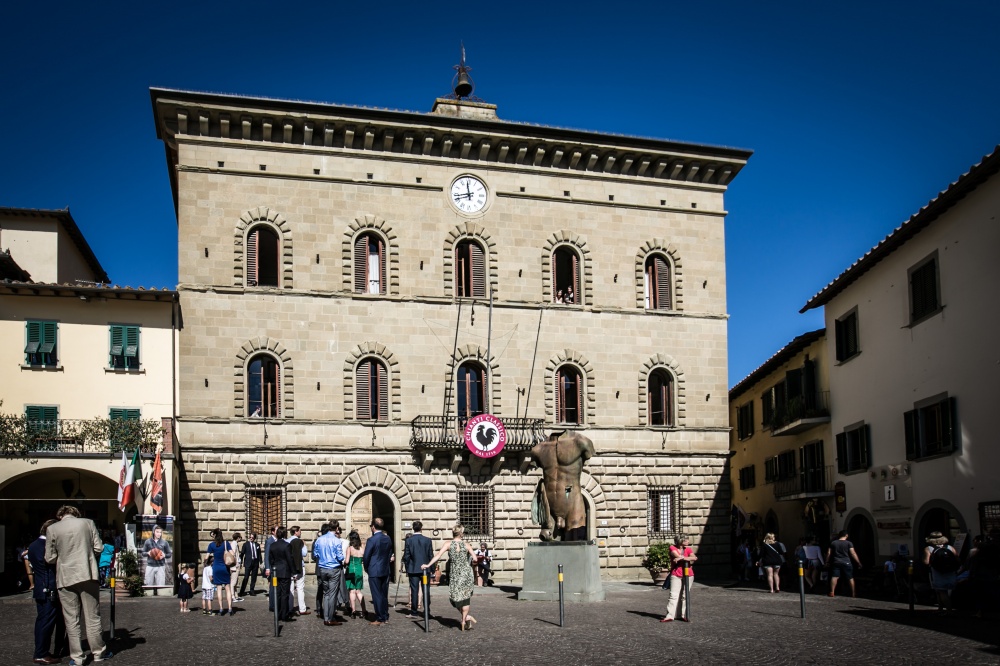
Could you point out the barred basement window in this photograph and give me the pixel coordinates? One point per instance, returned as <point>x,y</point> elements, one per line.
<point>475,512</point>
<point>265,509</point>
<point>662,513</point>
<point>989,517</point>
<point>748,477</point>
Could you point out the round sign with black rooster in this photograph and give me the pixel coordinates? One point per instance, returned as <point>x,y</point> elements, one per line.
<point>485,435</point>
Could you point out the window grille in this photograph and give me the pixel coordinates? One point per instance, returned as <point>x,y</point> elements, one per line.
<point>265,508</point>
<point>989,517</point>
<point>475,512</point>
<point>662,512</point>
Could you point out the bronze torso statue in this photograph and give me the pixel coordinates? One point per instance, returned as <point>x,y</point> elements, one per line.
<point>558,503</point>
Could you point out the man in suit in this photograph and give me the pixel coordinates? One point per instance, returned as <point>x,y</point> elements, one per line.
<point>48,617</point>
<point>378,564</point>
<point>250,555</point>
<point>267,569</point>
<point>282,565</point>
<point>416,551</point>
<point>73,544</point>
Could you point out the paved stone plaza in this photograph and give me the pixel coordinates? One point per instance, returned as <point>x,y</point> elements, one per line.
<point>730,626</point>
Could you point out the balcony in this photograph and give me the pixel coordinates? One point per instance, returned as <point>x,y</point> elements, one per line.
<point>799,414</point>
<point>77,437</point>
<point>446,434</point>
<point>814,482</point>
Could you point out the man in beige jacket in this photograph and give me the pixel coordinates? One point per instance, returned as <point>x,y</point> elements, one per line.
<point>73,544</point>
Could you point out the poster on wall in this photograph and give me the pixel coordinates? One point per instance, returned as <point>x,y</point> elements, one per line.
<point>155,539</point>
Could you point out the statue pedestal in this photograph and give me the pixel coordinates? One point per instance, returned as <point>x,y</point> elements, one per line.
<point>581,571</point>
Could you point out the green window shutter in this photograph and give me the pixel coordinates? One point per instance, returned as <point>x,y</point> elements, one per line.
<point>910,423</point>
<point>131,334</point>
<point>117,413</point>
<point>117,347</point>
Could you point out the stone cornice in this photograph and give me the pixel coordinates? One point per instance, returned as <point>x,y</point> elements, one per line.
<point>180,114</point>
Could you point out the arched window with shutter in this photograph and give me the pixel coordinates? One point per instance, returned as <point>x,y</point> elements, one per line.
<point>470,387</point>
<point>263,387</point>
<point>371,391</point>
<point>566,276</point>
<point>369,264</point>
<point>262,257</point>
<point>569,395</point>
<point>470,270</point>
<point>657,283</point>
<point>661,398</point>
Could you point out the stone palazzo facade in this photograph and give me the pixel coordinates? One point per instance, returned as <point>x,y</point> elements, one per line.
<point>356,283</point>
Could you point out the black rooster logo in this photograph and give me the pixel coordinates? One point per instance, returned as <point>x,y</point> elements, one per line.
<point>485,436</point>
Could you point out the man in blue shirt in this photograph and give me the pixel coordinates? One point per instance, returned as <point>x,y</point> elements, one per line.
<point>329,555</point>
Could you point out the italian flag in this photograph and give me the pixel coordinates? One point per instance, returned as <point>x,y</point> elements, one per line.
<point>126,480</point>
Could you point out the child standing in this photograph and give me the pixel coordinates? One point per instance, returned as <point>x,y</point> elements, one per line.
<point>184,588</point>
<point>207,587</point>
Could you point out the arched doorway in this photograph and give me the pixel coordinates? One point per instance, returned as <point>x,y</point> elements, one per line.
<point>937,519</point>
<point>366,507</point>
<point>588,507</point>
<point>861,534</point>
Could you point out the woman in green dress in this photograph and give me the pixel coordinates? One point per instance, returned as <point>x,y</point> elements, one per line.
<point>460,577</point>
<point>355,575</point>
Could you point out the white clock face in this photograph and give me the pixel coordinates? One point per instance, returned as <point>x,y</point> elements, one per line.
<point>468,194</point>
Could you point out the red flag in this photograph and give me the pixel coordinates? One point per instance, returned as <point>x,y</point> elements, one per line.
<point>127,486</point>
<point>156,490</point>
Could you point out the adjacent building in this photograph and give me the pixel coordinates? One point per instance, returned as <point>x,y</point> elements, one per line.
<point>913,364</point>
<point>77,349</point>
<point>783,452</point>
<point>355,284</point>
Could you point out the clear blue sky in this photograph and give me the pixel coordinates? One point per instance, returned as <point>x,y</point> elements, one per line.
<point>858,112</point>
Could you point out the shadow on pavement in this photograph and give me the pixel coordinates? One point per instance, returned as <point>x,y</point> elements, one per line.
<point>961,626</point>
<point>125,639</point>
<point>654,616</point>
<point>554,624</point>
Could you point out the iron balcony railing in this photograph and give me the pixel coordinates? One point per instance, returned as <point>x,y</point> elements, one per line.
<point>807,482</point>
<point>448,432</point>
<point>19,436</point>
<point>801,407</point>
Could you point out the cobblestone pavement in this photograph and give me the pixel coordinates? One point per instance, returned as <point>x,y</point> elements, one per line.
<point>729,626</point>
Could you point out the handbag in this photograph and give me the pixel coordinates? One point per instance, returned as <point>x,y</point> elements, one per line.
<point>229,557</point>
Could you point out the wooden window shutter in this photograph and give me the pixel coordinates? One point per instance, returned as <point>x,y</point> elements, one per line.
<point>43,414</point>
<point>866,446</point>
<point>662,284</point>
<point>579,399</point>
<point>842,452</point>
<point>478,271</point>
<point>577,294</point>
<point>555,273</point>
<point>34,336</point>
<point>252,259</point>
<point>383,287</point>
<point>362,391</point>
<point>383,393</point>
<point>560,400</point>
<point>911,432</point>
<point>131,340</point>
<point>668,401</point>
<point>361,264</point>
<point>277,388</point>
<point>948,420</point>
<point>838,334</point>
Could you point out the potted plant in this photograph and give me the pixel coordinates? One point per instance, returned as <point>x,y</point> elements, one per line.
<point>128,561</point>
<point>657,561</point>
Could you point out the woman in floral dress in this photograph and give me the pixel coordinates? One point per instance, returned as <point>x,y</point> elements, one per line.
<point>460,577</point>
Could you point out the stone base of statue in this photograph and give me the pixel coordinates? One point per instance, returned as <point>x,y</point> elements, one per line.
<point>581,571</point>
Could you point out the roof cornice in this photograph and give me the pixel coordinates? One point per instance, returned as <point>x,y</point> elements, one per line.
<point>475,140</point>
<point>937,206</point>
<point>12,288</point>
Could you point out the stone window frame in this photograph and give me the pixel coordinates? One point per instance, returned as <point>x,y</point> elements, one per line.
<point>472,352</point>
<point>669,251</point>
<point>269,489</point>
<point>380,352</point>
<point>589,393</point>
<point>475,232</point>
<point>247,351</point>
<point>378,226</point>
<point>579,245</point>
<point>274,219</point>
<point>673,368</point>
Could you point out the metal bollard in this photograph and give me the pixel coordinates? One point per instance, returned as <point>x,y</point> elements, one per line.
<point>687,591</point>
<point>111,583</point>
<point>274,595</point>
<point>802,591</point>
<point>427,603</point>
<point>562,603</point>
<point>909,578</point>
